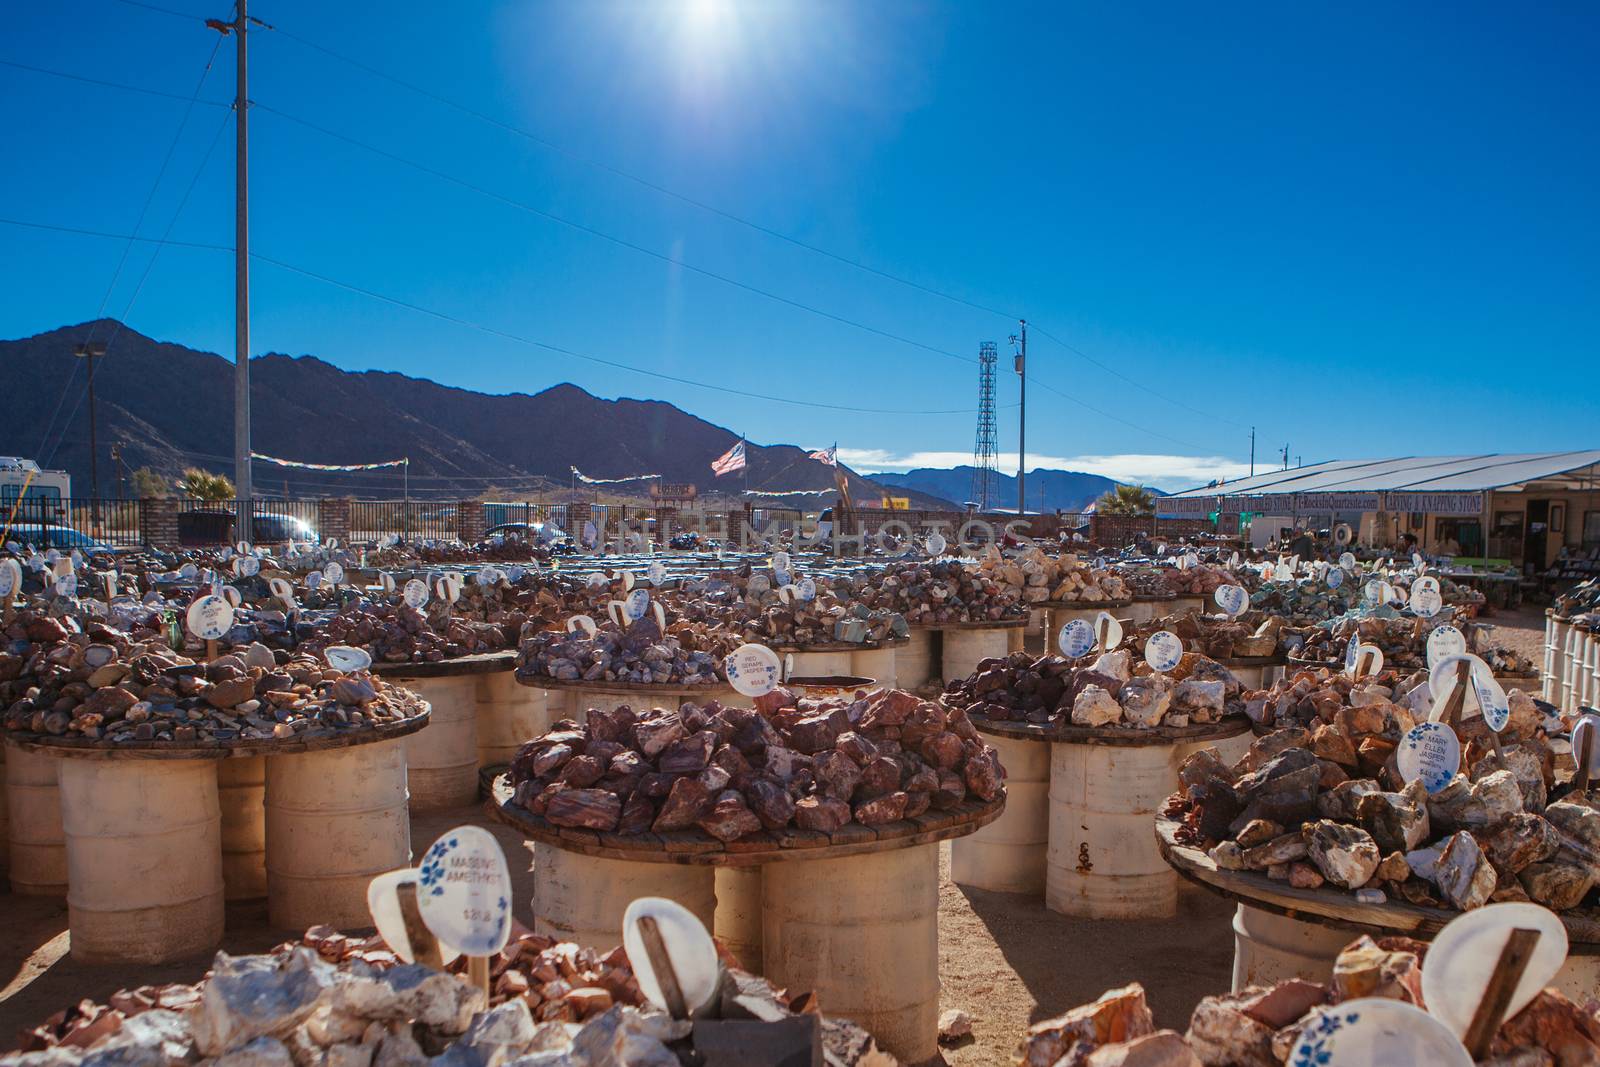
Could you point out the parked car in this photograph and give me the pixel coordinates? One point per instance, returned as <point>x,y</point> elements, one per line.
<point>532,532</point>
<point>61,538</point>
<point>201,527</point>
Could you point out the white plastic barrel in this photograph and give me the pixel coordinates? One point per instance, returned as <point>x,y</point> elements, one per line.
<point>442,757</point>
<point>241,794</point>
<point>913,663</point>
<point>335,819</point>
<point>1269,948</point>
<point>863,932</point>
<point>1059,617</point>
<point>963,649</point>
<point>1102,861</point>
<point>582,898</point>
<point>508,716</point>
<point>1008,854</point>
<point>818,664</point>
<point>38,846</point>
<point>144,859</point>
<point>879,664</point>
<point>1555,638</point>
<point>1142,611</point>
<point>738,920</point>
<point>1571,664</point>
<point>1251,676</point>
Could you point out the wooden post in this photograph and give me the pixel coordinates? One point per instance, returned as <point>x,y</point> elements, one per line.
<point>211,651</point>
<point>1580,781</point>
<point>478,972</point>
<point>1491,1011</point>
<point>661,966</point>
<point>424,946</point>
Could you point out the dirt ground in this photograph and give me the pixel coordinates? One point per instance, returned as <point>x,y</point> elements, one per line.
<point>1003,958</point>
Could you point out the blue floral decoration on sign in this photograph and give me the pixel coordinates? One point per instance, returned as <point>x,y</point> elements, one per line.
<point>1315,1047</point>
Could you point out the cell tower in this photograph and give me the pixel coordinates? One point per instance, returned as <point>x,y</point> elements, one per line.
<point>984,461</point>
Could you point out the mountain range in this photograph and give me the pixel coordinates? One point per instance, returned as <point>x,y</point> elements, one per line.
<point>1048,490</point>
<point>168,407</point>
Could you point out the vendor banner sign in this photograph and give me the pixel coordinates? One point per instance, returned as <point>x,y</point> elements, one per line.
<point>1435,503</point>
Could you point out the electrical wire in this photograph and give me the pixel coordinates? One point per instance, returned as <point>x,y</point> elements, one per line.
<point>506,335</point>
<point>116,275</point>
<point>105,84</point>
<point>634,178</point>
<point>604,236</point>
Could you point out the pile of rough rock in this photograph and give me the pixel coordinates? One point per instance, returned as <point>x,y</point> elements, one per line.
<point>1114,690</point>
<point>333,1001</point>
<point>688,654</point>
<point>731,772</point>
<point>1202,579</point>
<point>1304,605</point>
<point>104,685</point>
<point>1325,805</point>
<point>1403,639</point>
<point>1038,577</point>
<point>938,591</point>
<point>746,607</point>
<point>398,633</point>
<point>1215,636</point>
<point>1259,1026</point>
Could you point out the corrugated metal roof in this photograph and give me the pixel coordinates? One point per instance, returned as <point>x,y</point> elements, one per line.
<point>1418,474</point>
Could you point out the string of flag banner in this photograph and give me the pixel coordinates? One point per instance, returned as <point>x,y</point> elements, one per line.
<point>788,492</point>
<point>586,480</point>
<point>405,461</point>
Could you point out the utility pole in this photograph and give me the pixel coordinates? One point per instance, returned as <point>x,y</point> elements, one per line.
<point>89,351</point>
<point>1021,366</point>
<point>1252,451</point>
<point>241,278</point>
<point>122,471</point>
<point>1285,455</point>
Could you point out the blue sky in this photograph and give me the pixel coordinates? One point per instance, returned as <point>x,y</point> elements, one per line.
<point>1366,231</point>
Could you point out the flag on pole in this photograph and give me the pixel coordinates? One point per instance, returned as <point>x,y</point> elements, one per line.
<point>830,456</point>
<point>730,461</point>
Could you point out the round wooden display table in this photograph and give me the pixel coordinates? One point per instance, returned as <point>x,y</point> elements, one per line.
<point>38,847</point>
<point>843,658</point>
<point>1253,672</point>
<point>915,661</point>
<point>152,830</point>
<point>1063,612</point>
<point>442,765</point>
<point>1146,608</point>
<point>852,914</point>
<point>965,644</point>
<point>1184,603</point>
<point>1281,932</point>
<point>1555,655</point>
<point>1084,822</point>
<point>579,696</point>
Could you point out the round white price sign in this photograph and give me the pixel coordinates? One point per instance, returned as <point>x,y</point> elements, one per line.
<point>210,617</point>
<point>581,622</point>
<point>488,576</point>
<point>1163,651</point>
<point>334,573</point>
<point>67,585</point>
<point>10,577</point>
<point>1444,642</point>
<point>1335,577</point>
<point>1075,639</point>
<point>347,658</point>
<point>658,573</point>
<point>1430,751</point>
<point>1231,598</point>
<point>416,593</point>
<point>464,891</point>
<point>806,589</point>
<point>936,544</point>
<point>752,670</point>
<point>283,591</point>
<point>637,604</point>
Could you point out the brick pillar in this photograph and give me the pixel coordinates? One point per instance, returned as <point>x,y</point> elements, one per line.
<point>469,520</point>
<point>158,523</point>
<point>333,519</point>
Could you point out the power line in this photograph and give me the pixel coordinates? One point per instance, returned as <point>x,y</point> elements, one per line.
<point>103,83</point>
<point>645,183</point>
<point>492,331</point>
<point>1115,418</point>
<point>163,10</point>
<point>618,241</point>
<point>1132,381</point>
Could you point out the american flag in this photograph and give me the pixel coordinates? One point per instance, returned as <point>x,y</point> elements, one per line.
<point>830,456</point>
<point>730,461</point>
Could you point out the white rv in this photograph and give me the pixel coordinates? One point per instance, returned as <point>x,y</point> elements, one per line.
<point>47,491</point>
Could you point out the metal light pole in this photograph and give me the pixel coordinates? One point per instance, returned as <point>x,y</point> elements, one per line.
<point>89,351</point>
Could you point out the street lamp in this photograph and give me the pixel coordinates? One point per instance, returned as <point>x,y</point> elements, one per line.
<point>89,351</point>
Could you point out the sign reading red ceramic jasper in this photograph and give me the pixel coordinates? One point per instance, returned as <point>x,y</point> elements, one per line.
<point>210,617</point>
<point>752,670</point>
<point>1163,651</point>
<point>464,891</point>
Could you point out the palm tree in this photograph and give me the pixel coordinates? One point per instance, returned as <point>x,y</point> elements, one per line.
<point>1126,500</point>
<point>203,485</point>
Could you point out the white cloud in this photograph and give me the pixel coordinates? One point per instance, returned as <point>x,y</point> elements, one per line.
<point>1161,471</point>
